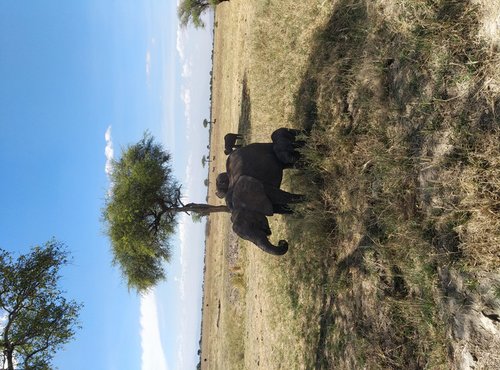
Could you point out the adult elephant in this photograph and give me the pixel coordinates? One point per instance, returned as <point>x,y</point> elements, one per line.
<point>251,187</point>
<point>249,193</point>
<point>257,161</point>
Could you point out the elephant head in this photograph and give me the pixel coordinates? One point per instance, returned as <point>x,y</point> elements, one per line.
<point>222,185</point>
<point>253,226</point>
<point>285,144</point>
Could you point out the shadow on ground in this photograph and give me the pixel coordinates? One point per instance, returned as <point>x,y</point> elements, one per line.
<point>244,123</point>
<point>377,110</point>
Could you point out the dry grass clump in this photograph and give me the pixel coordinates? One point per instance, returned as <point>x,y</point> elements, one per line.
<point>401,173</point>
<point>479,184</point>
<point>280,49</point>
<point>402,176</point>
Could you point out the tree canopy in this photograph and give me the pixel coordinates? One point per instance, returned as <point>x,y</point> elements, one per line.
<point>38,320</point>
<point>140,212</point>
<point>191,11</point>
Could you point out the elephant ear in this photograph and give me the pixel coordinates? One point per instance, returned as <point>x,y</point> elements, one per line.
<point>249,193</point>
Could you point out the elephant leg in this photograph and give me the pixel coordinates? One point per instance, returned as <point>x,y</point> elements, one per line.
<point>278,196</point>
<point>253,226</point>
<point>282,209</point>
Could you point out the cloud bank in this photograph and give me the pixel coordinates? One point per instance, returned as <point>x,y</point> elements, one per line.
<point>148,65</point>
<point>191,262</point>
<point>108,152</point>
<point>153,357</point>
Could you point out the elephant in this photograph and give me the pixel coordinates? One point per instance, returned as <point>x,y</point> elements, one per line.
<point>285,145</point>
<point>253,226</point>
<point>251,188</point>
<point>230,142</point>
<point>249,193</point>
<point>258,161</point>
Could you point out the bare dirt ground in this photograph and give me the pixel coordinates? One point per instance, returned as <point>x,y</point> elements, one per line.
<point>221,301</point>
<point>248,321</point>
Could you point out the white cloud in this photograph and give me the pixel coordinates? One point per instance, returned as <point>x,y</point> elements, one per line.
<point>180,42</point>
<point>189,273</point>
<point>148,65</point>
<point>187,69</point>
<point>186,99</point>
<point>109,152</point>
<point>194,95</point>
<point>153,356</point>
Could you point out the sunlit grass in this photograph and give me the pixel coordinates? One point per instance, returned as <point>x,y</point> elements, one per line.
<point>401,174</point>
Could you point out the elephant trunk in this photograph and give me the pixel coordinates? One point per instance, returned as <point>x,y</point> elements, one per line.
<point>253,226</point>
<point>268,247</point>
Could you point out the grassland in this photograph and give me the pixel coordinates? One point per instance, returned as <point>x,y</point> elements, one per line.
<point>394,260</point>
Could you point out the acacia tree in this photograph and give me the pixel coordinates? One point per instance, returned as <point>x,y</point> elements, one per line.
<point>205,160</point>
<point>37,319</point>
<point>191,11</point>
<point>140,212</point>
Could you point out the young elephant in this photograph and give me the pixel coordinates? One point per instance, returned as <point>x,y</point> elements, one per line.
<point>253,226</point>
<point>230,142</point>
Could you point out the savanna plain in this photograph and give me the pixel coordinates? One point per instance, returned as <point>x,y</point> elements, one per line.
<point>394,258</point>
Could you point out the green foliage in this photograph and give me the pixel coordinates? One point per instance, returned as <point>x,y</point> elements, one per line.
<point>137,212</point>
<point>38,319</point>
<point>191,11</point>
<point>140,212</point>
<point>197,218</point>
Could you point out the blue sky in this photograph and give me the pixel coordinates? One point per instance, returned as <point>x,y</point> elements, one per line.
<point>76,78</point>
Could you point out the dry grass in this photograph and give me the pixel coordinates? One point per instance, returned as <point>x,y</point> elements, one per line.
<point>401,99</point>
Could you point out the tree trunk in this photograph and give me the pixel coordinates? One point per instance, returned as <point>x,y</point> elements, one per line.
<point>10,359</point>
<point>202,209</point>
<point>8,348</point>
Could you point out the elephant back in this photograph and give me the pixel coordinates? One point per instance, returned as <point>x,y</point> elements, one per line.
<point>257,160</point>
